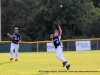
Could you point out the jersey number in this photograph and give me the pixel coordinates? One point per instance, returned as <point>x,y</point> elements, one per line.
<point>16,38</point>
<point>57,41</point>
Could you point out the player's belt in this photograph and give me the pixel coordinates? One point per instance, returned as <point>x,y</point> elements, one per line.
<point>15,42</point>
<point>58,46</point>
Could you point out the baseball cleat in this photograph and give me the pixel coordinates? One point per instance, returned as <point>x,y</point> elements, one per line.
<point>64,63</point>
<point>16,60</point>
<point>11,59</point>
<point>68,66</point>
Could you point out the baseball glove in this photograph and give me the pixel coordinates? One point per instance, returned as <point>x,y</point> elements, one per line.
<point>58,23</point>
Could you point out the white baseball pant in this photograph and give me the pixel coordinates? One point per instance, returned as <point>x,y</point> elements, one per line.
<point>59,54</point>
<point>12,48</point>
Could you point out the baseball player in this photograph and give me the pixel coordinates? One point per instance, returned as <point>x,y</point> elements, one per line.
<point>56,41</point>
<point>16,38</point>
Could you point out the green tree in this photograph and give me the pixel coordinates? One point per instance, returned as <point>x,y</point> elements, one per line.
<point>35,18</point>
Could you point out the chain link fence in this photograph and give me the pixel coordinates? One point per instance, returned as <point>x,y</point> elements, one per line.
<point>68,46</point>
<point>41,46</point>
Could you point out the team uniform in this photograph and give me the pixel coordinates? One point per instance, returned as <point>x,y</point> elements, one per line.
<point>58,48</point>
<point>15,45</point>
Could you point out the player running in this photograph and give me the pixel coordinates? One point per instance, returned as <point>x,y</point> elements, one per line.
<point>14,44</point>
<point>56,41</point>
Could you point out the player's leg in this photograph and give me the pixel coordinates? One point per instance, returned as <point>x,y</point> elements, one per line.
<point>16,51</point>
<point>65,63</point>
<point>60,56</point>
<point>11,51</point>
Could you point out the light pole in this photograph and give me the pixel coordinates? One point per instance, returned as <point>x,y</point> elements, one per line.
<point>0,20</point>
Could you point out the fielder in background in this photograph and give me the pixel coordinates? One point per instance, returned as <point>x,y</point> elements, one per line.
<point>16,38</point>
<point>56,41</point>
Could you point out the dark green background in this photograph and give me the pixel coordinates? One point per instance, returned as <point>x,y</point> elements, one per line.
<point>35,18</point>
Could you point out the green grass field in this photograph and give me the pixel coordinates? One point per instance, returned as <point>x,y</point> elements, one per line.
<point>82,63</point>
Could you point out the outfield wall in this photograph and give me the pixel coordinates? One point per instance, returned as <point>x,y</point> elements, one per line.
<point>5,47</point>
<point>71,46</point>
<point>41,46</point>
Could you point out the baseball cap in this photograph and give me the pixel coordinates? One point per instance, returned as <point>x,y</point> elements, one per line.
<point>16,28</point>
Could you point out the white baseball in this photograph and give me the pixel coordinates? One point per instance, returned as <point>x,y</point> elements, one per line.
<point>61,6</point>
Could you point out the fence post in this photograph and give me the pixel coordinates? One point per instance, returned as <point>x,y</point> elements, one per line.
<point>37,46</point>
<point>97,44</point>
<point>68,46</point>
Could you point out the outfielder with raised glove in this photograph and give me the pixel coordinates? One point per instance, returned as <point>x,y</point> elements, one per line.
<point>56,36</point>
<point>14,44</point>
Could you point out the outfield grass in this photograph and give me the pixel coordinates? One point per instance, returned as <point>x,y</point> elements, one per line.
<point>32,63</point>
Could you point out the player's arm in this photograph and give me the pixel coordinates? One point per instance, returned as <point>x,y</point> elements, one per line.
<point>60,30</point>
<point>51,36</point>
<point>19,39</point>
<point>58,23</point>
<point>8,34</point>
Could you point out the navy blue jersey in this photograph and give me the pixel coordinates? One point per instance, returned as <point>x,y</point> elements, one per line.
<point>56,41</point>
<point>16,37</point>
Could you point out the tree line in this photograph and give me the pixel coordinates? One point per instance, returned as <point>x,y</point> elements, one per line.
<point>35,18</point>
